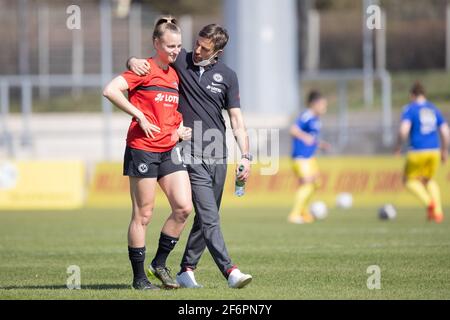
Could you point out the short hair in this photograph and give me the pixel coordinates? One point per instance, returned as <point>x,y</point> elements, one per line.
<point>217,34</point>
<point>313,96</point>
<point>165,23</point>
<point>417,89</point>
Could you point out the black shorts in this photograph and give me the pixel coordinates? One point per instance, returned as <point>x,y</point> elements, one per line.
<point>147,164</point>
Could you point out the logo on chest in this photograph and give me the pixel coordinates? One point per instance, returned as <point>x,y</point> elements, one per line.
<point>216,85</point>
<point>166,98</point>
<point>218,77</point>
<point>213,88</point>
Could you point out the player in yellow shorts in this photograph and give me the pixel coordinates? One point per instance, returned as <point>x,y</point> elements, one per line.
<point>305,141</point>
<point>428,133</point>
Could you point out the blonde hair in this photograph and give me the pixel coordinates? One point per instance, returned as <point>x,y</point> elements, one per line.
<point>163,24</point>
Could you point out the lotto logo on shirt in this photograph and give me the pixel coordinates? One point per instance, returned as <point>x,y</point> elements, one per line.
<point>214,89</point>
<point>166,97</point>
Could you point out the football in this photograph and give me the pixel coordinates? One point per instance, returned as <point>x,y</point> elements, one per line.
<point>8,176</point>
<point>319,210</point>
<point>344,200</point>
<point>387,212</point>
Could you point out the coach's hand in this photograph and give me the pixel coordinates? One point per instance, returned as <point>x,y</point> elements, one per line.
<point>246,172</point>
<point>141,67</point>
<point>147,127</point>
<point>184,133</point>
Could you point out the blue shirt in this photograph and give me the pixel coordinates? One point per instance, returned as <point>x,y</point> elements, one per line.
<point>425,121</point>
<point>310,124</point>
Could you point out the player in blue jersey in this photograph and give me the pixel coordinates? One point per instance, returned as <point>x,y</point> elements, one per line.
<point>305,132</point>
<point>428,134</point>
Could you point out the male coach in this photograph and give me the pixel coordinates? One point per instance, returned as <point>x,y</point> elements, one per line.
<point>207,86</point>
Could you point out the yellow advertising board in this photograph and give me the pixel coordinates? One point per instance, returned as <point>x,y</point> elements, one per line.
<point>371,180</point>
<point>42,185</point>
<point>108,187</point>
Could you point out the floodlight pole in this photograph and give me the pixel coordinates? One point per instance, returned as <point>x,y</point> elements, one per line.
<point>135,29</point>
<point>26,97</point>
<point>367,57</point>
<point>187,25</point>
<point>77,61</point>
<point>388,137</point>
<point>6,138</point>
<point>312,59</point>
<point>258,36</point>
<point>44,49</point>
<point>24,44</point>
<point>343,113</point>
<point>447,60</point>
<point>106,63</point>
<point>381,44</point>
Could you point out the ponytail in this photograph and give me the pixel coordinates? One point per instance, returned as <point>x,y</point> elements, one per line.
<point>165,23</point>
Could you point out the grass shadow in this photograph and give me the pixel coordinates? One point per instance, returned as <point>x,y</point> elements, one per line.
<point>60,287</point>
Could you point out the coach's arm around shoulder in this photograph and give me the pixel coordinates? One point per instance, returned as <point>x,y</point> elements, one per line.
<point>139,66</point>
<point>241,136</point>
<point>444,133</point>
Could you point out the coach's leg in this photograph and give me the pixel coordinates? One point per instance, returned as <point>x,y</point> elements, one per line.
<point>235,278</point>
<point>206,208</point>
<point>220,175</point>
<point>206,230</point>
<point>142,191</point>
<point>196,245</point>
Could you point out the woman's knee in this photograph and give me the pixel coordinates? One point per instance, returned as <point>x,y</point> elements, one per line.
<point>143,214</point>
<point>183,211</point>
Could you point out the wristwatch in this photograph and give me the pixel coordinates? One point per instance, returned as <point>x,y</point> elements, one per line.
<point>247,156</point>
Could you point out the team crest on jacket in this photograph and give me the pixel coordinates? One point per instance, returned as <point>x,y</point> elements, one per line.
<point>217,77</point>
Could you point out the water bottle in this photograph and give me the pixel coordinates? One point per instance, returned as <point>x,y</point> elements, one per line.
<point>239,185</point>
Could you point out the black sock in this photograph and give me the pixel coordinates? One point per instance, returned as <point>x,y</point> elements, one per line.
<point>183,269</point>
<point>137,258</point>
<point>166,244</point>
<point>186,268</point>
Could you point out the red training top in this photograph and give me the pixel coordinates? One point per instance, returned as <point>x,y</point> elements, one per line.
<point>156,95</point>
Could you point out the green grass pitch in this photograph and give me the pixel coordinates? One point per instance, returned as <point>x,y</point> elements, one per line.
<point>324,260</point>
